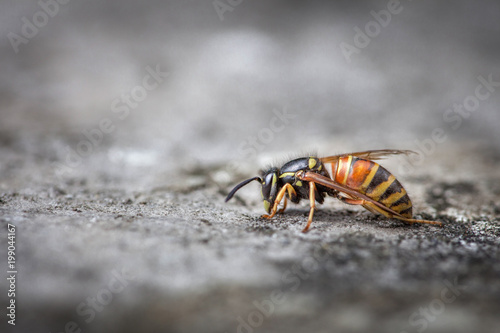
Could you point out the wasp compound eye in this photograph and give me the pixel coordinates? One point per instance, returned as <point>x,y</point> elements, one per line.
<point>267,184</point>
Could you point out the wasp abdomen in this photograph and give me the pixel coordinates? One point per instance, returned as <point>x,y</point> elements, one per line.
<point>371,179</point>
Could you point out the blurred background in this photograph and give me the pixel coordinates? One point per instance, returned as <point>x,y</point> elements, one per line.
<point>229,66</point>
<point>135,96</point>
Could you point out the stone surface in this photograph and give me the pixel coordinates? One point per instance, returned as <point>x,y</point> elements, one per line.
<point>118,201</point>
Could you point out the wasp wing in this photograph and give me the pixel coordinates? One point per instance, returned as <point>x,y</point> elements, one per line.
<point>369,154</point>
<point>325,181</point>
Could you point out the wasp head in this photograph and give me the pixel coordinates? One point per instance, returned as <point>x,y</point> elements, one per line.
<point>270,184</point>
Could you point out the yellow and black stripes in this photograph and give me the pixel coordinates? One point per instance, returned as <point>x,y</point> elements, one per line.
<point>352,178</point>
<point>371,179</point>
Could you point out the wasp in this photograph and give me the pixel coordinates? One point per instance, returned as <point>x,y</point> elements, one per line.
<point>353,178</point>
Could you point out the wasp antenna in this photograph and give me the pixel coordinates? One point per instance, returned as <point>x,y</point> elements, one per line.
<point>240,185</point>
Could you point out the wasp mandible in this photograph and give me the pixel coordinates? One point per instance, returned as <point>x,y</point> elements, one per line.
<point>352,178</point>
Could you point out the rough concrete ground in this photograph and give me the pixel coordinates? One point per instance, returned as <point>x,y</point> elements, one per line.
<point>133,234</point>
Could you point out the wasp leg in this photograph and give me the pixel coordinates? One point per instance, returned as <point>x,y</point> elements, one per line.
<point>312,201</point>
<point>279,197</point>
<point>291,194</point>
<point>282,210</point>
<point>368,205</point>
<point>374,209</point>
<point>350,201</point>
<point>418,221</point>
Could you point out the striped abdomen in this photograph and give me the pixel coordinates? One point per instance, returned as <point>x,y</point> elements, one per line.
<point>371,179</point>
